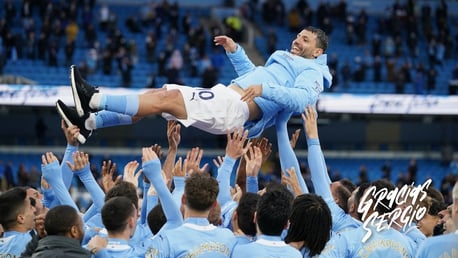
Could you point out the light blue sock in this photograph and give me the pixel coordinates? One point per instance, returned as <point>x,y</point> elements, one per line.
<point>127,105</point>
<point>106,118</point>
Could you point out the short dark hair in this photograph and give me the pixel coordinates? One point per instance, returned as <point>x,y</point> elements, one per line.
<point>380,184</point>
<point>200,191</point>
<point>156,219</point>
<point>347,183</point>
<point>115,213</point>
<point>322,39</point>
<point>435,194</point>
<point>245,213</point>
<point>436,206</point>
<point>311,222</point>
<point>359,193</point>
<point>60,219</point>
<point>126,189</point>
<point>342,194</point>
<point>273,210</point>
<point>11,204</point>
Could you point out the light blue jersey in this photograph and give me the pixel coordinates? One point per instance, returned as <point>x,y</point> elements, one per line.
<point>121,248</point>
<point>13,243</point>
<point>266,246</point>
<point>228,206</point>
<point>385,243</point>
<point>96,227</point>
<point>414,235</point>
<point>195,238</point>
<point>341,221</point>
<point>439,246</point>
<point>289,83</point>
<point>243,240</point>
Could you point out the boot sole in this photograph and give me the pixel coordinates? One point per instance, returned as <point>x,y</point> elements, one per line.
<point>76,98</point>
<point>80,137</point>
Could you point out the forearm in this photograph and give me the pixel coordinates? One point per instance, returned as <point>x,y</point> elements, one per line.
<point>144,211</point>
<point>152,170</point>
<point>92,186</point>
<point>252,184</point>
<point>49,199</point>
<point>318,169</point>
<point>50,174</point>
<point>89,213</point>
<point>288,158</point>
<point>178,191</point>
<point>168,165</point>
<point>241,178</point>
<point>240,61</point>
<point>67,174</point>
<point>224,180</point>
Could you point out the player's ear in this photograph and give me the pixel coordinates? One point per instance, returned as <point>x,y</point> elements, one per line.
<point>318,52</point>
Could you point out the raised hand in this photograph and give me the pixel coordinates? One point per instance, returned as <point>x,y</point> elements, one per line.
<point>173,134</point>
<point>48,158</point>
<point>236,143</point>
<point>310,124</point>
<point>180,168</point>
<point>218,161</point>
<point>265,146</point>
<point>226,42</point>
<point>40,225</point>
<point>148,154</point>
<point>193,157</point>
<point>80,160</point>
<point>71,133</point>
<point>108,169</point>
<point>252,92</point>
<point>253,159</point>
<point>129,172</point>
<point>157,149</point>
<point>292,181</point>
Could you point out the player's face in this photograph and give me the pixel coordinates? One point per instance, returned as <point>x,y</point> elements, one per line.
<point>449,226</point>
<point>427,223</point>
<point>305,45</point>
<point>37,196</point>
<point>28,214</point>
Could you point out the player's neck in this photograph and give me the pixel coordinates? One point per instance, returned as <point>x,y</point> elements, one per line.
<point>190,213</point>
<point>125,235</point>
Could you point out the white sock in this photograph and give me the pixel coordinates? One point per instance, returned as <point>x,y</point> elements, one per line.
<point>90,122</point>
<point>95,101</point>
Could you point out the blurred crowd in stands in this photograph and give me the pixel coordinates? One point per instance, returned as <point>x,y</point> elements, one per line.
<point>411,43</point>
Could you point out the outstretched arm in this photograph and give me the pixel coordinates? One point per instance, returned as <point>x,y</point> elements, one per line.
<point>234,150</point>
<point>173,137</point>
<point>288,158</point>
<point>81,168</point>
<point>53,175</point>
<point>71,134</point>
<point>315,158</point>
<point>253,164</point>
<point>152,169</point>
<point>236,54</point>
<point>319,172</point>
<point>179,174</point>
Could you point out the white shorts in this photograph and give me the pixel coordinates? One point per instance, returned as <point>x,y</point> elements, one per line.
<point>213,110</point>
